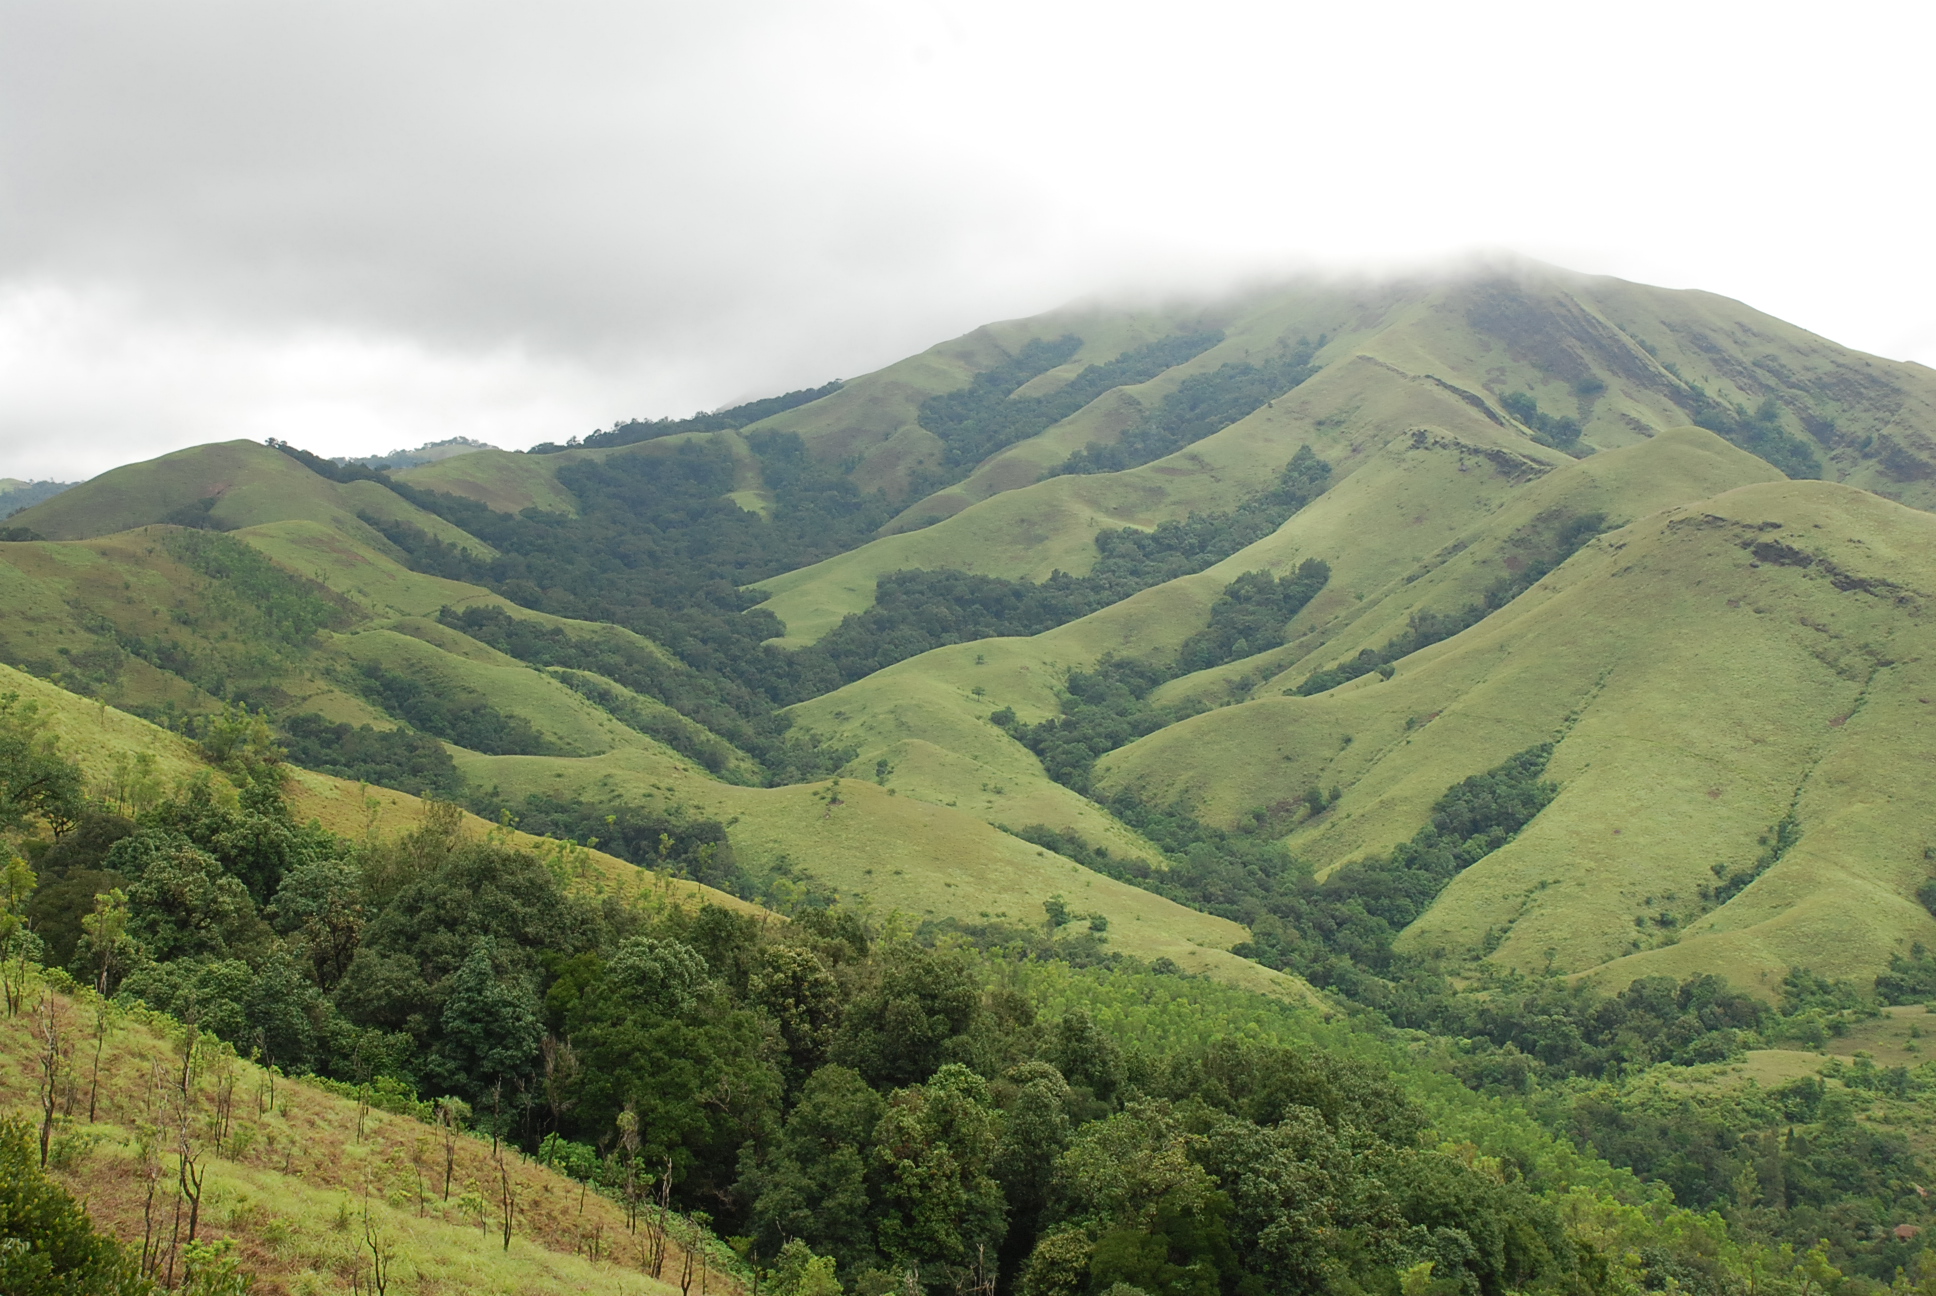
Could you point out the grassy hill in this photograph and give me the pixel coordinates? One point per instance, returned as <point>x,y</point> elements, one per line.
<point>310,1187</point>
<point>1710,672</point>
<point>1475,429</point>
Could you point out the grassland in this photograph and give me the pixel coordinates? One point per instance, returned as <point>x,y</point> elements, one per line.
<point>302,1180</point>
<point>1699,695</point>
<point>1690,722</point>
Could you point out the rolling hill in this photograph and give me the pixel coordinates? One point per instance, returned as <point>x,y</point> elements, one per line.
<point>1680,540</point>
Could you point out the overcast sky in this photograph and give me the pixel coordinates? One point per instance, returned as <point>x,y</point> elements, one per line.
<point>361,226</point>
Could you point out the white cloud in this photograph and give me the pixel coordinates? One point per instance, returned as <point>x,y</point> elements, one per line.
<point>365,225</point>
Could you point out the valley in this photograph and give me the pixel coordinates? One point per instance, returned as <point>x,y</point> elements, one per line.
<point>1514,687</point>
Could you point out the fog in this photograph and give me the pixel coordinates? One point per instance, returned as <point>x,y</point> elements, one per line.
<point>364,226</point>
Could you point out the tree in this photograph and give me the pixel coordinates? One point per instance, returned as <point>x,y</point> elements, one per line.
<point>491,1031</point>
<point>797,990</point>
<point>105,948</point>
<point>48,1247</point>
<point>181,902</point>
<point>939,1205</point>
<point>320,905</point>
<point>897,1028</point>
<point>36,781</point>
<point>813,1185</point>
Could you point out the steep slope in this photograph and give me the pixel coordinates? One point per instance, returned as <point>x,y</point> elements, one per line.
<point>1472,430</point>
<point>1424,521</point>
<point>304,1184</point>
<point>1740,691</point>
<point>1622,361</point>
<point>225,485</point>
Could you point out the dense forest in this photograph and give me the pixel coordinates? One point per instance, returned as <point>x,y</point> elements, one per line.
<point>965,1112</point>
<point>658,548</point>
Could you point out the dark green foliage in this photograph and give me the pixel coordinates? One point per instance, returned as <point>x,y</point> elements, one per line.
<point>1532,554</point>
<point>915,611</point>
<point>455,898</point>
<point>1329,931</point>
<point>1102,709</point>
<point>265,601</point>
<point>1201,405</point>
<point>690,693</point>
<point>36,781</point>
<point>392,758</point>
<point>1526,1029</point>
<point>19,535</point>
<point>814,1185</point>
<point>454,714</point>
<point>1910,979</point>
<point>71,875</point>
<point>184,904</point>
<point>1561,431</point>
<point>659,548</point>
<point>490,1031</point>
<point>901,1026</point>
<point>679,1053</point>
<point>329,468</point>
<point>981,418</point>
<point>738,416</point>
<point>679,844</point>
<point>254,839</point>
<point>1758,431</point>
<point>1250,615</point>
<point>48,1246</point>
<point>1266,1084</point>
<point>1730,882</point>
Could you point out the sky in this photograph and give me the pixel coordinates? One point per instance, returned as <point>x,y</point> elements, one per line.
<point>365,226</point>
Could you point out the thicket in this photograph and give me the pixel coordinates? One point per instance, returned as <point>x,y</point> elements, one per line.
<point>48,1246</point>
<point>907,1117</point>
<point>658,548</point>
<point>632,431</point>
<point>1759,431</point>
<point>975,421</point>
<point>1561,431</point>
<point>1535,550</point>
<point>1201,405</point>
<point>393,758</point>
<point>459,715</point>
<point>915,611</point>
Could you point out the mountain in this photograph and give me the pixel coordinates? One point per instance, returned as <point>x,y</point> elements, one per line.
<point>1415,787</point>
<point>16,494</point>
<point>1511,471</point>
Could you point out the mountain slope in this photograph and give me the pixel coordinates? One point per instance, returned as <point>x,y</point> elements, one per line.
<point>1709,672</point>
<point>1461,437</point>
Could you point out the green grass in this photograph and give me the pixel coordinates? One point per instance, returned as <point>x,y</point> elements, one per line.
<point>246,484</point>
<point>295,1183</point>
<point>501,479</point>
<point>1674,692</point>
<point>1699,698</point>
<point>895,854</point>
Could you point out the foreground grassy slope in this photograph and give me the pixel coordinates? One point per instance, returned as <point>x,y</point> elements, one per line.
<point>294,1182</point>
<point>107,744</point>
<point>1708,671</point>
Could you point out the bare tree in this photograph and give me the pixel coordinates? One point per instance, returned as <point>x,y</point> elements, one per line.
<point>52,1026</point>
<point>451,1115</point>
<point>104,1015</point>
